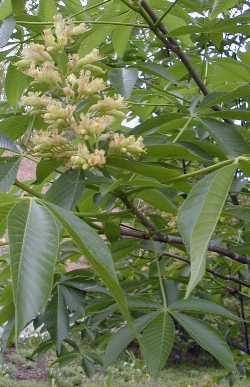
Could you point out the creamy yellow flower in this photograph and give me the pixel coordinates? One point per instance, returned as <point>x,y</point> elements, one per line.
<point>93,126</point>
<point>108,104</point>
<point>51,145</point>
<point>76,62</point>
<point>57,115</point>
<point>33,54</point>
<point>88,86</point>
<point>97,159</point>
<point>64,34</point>
<point>47,74</point>
<point>78,30</point>
<point>49,40</point>
<point>80,158</point>
<point>72,81</point>
<point>36,100</point>
<point>130,145</point>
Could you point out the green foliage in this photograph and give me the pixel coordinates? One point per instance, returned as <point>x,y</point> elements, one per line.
<point>157,342</point>
<point>31,229</point>
<point>199,215</point>
<point>207,338</point>
<point>148,195</point>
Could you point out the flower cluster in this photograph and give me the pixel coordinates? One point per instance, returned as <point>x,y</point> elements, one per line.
<point>71,101</point>
<point>128,145</point>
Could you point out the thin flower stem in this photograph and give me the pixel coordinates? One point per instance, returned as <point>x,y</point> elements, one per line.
<point>23,22</point>
<point>150,104</point>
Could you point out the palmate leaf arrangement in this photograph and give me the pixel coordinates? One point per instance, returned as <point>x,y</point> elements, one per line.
<point>79,138</point>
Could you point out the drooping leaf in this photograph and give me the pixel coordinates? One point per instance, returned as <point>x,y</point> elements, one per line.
<point>47,9</point>
<point>18,7</point>
<point>7,144</point>
<point>156,171</point>
<point>198,217</point>
<point>20,80</point>
<point>121,34</point>
<point>240,212</point>
<point>171,151</point>
<point>56,318</point>
<point>99,33</point>
<point>228,137</point>
<point>67,189</point>
<point>7,27</point>
<point>121,339</point>
<point>231,114</point>
<point>8,171</point>
<point>220,6</point>
<point>33,243</point>
<point>45,168</point>
<point>7,202</point>
<point>14,126</point>
<point>5,9</point>
<point>95,250</point>
<point>159,70</point>
<point>153,124</point>
<point>197,305</point>
<point>157,342</point>
<point>207,338</point>
<point>124,80</point>
<point>157,199</point>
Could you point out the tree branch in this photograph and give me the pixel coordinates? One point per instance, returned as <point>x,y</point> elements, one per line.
<point>171,44</point>
<point>213,272</point>
<point>159,29</point>
<point>175,240</point>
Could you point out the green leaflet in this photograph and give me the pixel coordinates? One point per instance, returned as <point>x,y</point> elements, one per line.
<point>95,250</point>
<point>123,80</point>
<point>6,29</point>
<point>33,243</point>
<point>56,318</point>
<point>150,170</point>
<point>157,342</point>
<point>7,144</point>
<point>20,80</point>
<point>157,199</point>
<point>198,217</point>
<point>7,202</point>
<point>120,340</point>
<point>5,9</point>
<point>8,171</point>
<point>228,137</point>
<point>14,126</point>
<point>99,33</point>
<point>207,338</point>
<point>47,9</point>
<point>198,305</point>
<point>121,34</point>
<point>67,189</point>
